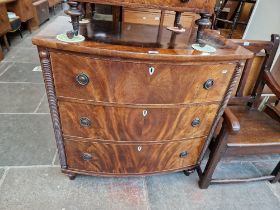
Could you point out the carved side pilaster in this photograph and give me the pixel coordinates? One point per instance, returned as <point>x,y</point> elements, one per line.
<point>50,90</point>
<point>223,105</point>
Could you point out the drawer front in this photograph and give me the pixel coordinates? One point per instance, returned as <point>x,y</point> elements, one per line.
<point>135,124</point>
<point>153,18</point>
<point>138,83</point>
<point>106,158</point>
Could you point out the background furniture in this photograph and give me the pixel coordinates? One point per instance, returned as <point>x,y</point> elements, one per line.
<point>153,17</point>
<point>23,9</point>
<point>54,3</point>
<point>4,26</point>
<point>246,130</point>
<point>136,99</point>
<point>41,13</point>
<point>234,19</point>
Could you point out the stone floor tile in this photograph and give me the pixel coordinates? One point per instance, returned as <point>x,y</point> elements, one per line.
<point>20,98</point>
<point>22,72</point>
<point>26,140</point>
<point>48,188</point>
<point>4,66</point>
<point>24,55</point>
<point>265,167</point>
<point>1,172</point>
<point>176,191</point>
<point>247,158</point>
<point>44,106</point>
<point>235,170</point>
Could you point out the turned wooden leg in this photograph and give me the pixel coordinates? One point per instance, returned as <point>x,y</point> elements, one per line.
<point>214,158</point>
<point>75,13</point>
<point>203,23</point>
<point>71,176</point>
<point>276,173</point>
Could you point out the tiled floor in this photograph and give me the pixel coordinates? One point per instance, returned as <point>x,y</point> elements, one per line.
<point>30,177</point>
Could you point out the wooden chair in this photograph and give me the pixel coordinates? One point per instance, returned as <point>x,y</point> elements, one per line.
<point>245,130</point>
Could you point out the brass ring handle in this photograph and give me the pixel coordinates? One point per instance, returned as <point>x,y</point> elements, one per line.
<point>82,79</point>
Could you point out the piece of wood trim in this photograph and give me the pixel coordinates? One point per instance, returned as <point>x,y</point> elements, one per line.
<point>272,83</point>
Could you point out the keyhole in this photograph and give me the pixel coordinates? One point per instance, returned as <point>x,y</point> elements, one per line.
<point>151,70</point>
<point>145,112</point>
<point>139,148</point>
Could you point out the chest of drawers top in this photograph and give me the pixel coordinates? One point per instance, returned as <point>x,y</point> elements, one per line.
<point>140,42</point>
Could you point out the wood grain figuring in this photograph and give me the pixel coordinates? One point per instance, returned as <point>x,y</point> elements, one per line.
<point>119,82</point>
<point>129,124</point>
<point>4,20</point>
<point>125,159</point>
<point>174,5</point>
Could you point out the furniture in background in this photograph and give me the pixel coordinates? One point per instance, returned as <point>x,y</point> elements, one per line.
<point>15,26</point>
<point>245,129</point>
<point>4,27</point>
<point>53,4</point>
<point>235,19</point>
<point>41,13</point>
<point>153,17</point>
<point>136,99</point>
<point>23,9</point>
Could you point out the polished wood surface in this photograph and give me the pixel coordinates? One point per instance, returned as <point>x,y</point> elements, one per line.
<point>137,41</point>
<point>132,159</point>
<point>119,81</point>
<point>129,124</point>
<point>198,6</point>
<point>135,99</point>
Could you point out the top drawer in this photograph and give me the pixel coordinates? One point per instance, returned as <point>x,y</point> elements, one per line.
<point>138,83</point>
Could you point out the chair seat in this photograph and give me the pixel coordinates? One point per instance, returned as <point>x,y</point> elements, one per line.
<point>256,128</point>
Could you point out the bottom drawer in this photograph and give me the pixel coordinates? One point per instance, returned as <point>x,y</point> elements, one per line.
<point>129,159</point>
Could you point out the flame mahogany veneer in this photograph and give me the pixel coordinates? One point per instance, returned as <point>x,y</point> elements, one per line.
<point>135,99</point>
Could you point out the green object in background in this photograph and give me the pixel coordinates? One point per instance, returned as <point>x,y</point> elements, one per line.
<point>207,48</point>
<point>75,39</point>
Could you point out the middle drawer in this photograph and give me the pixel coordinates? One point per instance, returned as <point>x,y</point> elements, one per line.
<point>135,124</point>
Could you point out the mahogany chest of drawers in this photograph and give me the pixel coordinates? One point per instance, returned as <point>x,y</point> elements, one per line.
<point>131,99</point>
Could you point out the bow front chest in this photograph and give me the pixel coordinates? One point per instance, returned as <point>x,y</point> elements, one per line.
<point>135,99</point>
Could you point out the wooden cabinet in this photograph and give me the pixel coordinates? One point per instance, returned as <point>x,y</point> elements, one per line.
<point>119,109</point>
<point>41,13</point>
<point>23,9</point>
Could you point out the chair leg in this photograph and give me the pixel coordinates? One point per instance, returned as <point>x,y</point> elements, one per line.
<point>276,173</point>
<point>214,158</point>
<point>6,42</point>
<point>20,33</point>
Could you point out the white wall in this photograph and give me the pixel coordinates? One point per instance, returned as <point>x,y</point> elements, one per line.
<point>264,21</point>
